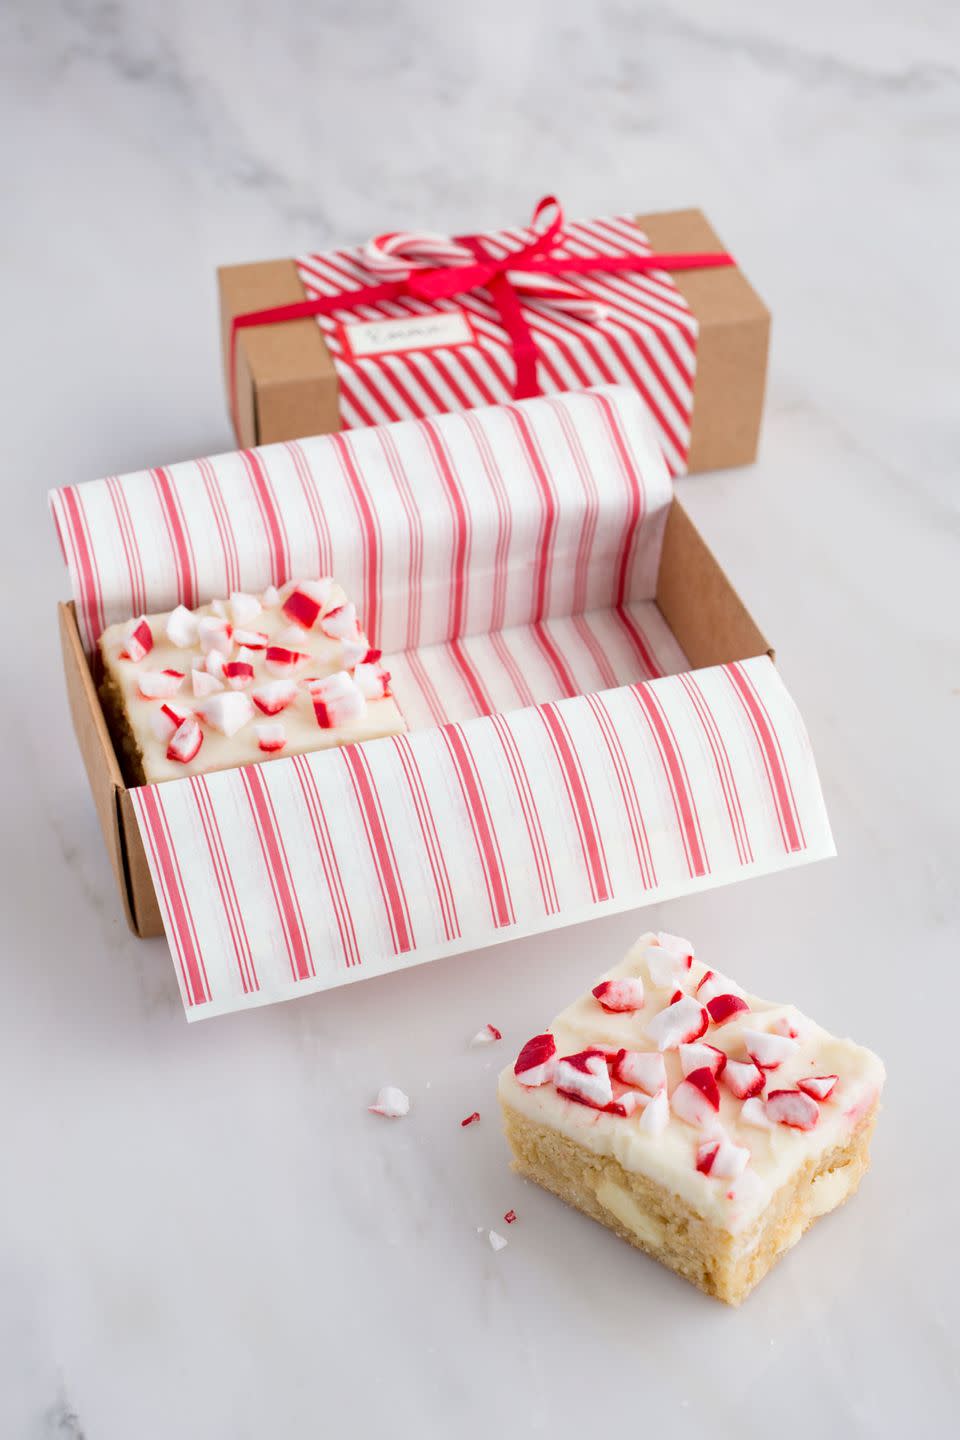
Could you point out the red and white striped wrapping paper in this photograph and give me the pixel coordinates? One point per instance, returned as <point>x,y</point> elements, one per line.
<point>647,338</point>
<point>507,559</point>
<point>454,526</point>
<point>282,879</point>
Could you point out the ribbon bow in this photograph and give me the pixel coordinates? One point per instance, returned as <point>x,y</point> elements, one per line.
<point>436,267</point>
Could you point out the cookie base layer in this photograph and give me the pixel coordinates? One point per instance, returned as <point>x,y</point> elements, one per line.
<point>657,1221</point>
<point>125,745</point>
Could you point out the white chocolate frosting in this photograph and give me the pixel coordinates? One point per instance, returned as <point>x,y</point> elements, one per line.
<point>262,736</point>
<point>776,1150</point>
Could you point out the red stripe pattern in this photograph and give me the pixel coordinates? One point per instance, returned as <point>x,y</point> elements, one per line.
<point>355,862</point>
<point>682,795</point>
<point>646,338</point>
<point>771,754</point>
<point>168,880</point>
<point>280,880</point>
<point>461,525</point>
<point>382,852</point>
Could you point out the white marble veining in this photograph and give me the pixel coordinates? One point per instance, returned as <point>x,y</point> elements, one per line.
<point>202,1233</point>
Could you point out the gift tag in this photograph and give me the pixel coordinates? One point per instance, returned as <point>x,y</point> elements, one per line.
<point>444,329</point>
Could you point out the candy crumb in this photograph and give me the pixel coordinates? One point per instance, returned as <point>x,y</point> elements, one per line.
<point>470,1119</point>
<point>487,1035</point>
<point>391,1102</point>
<point>497,1241</point>
<point>510,1216</point>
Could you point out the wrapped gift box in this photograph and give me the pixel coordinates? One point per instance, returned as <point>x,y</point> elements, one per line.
<point>595,722</point>
<point>692,341</point>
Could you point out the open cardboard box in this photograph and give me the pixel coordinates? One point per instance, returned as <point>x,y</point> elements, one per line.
<point>699,604</point>
<point>287,384</point>
<point>744,765</point>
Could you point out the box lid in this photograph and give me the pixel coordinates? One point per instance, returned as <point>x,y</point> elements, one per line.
<point>537,520</point>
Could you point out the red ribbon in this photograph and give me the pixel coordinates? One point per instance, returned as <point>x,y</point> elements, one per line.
<point>490,273</point>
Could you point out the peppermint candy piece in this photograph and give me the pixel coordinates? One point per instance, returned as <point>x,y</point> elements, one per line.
<point>769,1051</point>
<point>643,1068</point>
<point>626,1103</point>
<point>238,673</point>
<point>487,1035</point>
<point>793,1108</point>
<point>390,1102</point>
<point>204,683</point>
<point>340,623</point>
<point>682,1021</point>
<point>274,696</point>
<point>271,736</point>
<point>818,1087</point>
<point>294,637</point>
<point>373,681</point>
<point>584,1077</point>
<point>620,996</point>
<point>724,1007</point>
<point>712,983</point>
<point>138,641</point>
<point>215,633</point>
<point>159,684</point>
<point>743,1078</point>
<point>753,1112</point>
<point>669,957</point>
<point>535,1064</point>
<point>214,663</point>
<point>698,1054</point>
<point>243,608</point>
<point>697,1098</point>
<point>656,1117</point>
<point>305,602</point>
<point>166,721</point>
<point>181,627</point>
<point>721,1158</point>
<point>337,700</point>
<point>252,640</point>
<point>358,652</point>
<point>281,661</point>
<point>228,712</point>
<point>185,741</point>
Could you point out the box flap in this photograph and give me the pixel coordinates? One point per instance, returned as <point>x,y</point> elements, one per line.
<point>282,879</point>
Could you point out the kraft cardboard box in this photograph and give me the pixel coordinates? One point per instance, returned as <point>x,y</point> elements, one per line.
<point>696,599</point>
<point>287,384</point>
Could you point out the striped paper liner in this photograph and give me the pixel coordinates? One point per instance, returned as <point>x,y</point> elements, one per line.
<point>282,879</point>
<point>458,525</point>
<point>562,759</point>
<point>647,338</point>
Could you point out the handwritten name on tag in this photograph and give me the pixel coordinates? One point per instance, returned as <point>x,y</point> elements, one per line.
<point>407,332</point>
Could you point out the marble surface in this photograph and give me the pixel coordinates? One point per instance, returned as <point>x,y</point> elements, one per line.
<point>202,1233</point>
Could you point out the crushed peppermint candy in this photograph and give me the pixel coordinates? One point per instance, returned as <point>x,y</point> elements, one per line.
<point>470,1119</point>
<point>487,1035</point>
<point>391,1102</point>
<point>497,1241</point>
<point>720,1085</point>
<point>138,641</point>
<point>241,663</point>
<point>536,1063</point>
<point>271,737</point>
